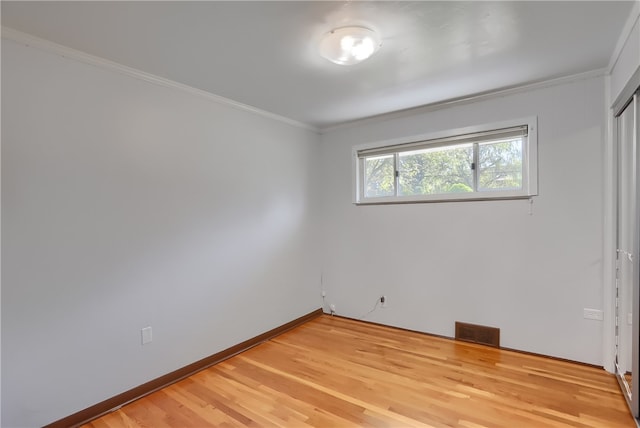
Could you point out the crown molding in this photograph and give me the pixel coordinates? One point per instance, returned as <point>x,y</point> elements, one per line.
<point>624,35</point>
<point>483,96</point>
<point>74,54</point>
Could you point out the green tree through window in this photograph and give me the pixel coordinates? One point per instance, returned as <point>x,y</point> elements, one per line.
<point>436,170</point>
<point>485,163</point>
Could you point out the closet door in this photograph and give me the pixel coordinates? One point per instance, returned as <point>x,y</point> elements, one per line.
<point>628,247</point>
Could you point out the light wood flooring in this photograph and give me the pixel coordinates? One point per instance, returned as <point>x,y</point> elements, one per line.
<point>335,372</point>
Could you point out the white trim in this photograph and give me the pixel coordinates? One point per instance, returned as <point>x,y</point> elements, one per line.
<point>447,197</point>
<point>530,164</point>
<point>483,96</point>
<point>531,120</point>
<point>498,133</point>
<point>634,15</point>
<point>74,54</point>
<point>609,235</point>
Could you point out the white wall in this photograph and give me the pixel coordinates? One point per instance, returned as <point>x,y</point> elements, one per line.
<point>488,262</point>
<point>127,205</point>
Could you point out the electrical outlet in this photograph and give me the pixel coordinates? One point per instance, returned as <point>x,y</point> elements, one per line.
<point>333,307</point>
<point>324,293</point>
<point>593,314</point>
<point>147,336</point>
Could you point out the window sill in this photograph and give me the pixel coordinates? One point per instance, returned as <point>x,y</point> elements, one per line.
<point>444,198</point>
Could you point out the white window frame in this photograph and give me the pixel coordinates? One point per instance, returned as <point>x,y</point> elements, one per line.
<point>529,164</point>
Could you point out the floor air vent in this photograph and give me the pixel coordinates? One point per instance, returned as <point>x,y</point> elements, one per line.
<point>478,334</point>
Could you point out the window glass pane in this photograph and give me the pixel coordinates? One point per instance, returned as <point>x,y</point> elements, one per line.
<point>378,176</point>
<point>436,170</point>
<point>500,165</point>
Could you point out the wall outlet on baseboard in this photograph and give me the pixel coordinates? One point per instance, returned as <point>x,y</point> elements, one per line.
<point>593,314</point>
<point>332,307</point>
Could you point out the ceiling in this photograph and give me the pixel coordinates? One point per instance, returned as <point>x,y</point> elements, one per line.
<point>264,54</point>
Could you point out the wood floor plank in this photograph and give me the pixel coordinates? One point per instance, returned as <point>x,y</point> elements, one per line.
<point>336,372</point>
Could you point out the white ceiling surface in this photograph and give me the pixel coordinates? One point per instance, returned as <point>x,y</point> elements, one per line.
<point>264,54</point>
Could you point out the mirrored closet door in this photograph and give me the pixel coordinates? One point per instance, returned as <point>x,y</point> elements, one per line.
<point>628,247</point>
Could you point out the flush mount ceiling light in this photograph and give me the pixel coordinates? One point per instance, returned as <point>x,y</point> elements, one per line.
<point>349,45</point>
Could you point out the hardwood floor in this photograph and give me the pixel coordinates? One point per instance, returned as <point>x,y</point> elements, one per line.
<point>337,372</point>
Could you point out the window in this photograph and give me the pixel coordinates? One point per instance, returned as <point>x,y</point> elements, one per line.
<point>496,161</point>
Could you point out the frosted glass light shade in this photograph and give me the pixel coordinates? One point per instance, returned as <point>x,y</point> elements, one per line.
<point>349,45</point>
